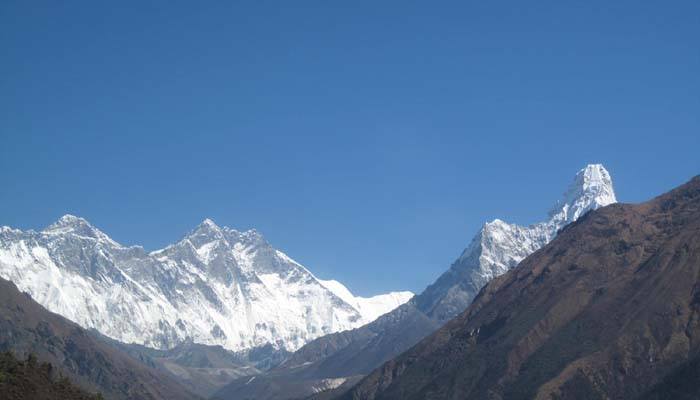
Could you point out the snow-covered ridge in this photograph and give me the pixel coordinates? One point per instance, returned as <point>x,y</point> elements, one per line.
<point>215,286</point>
<point>371,307</point>
<point>592,188</point>
<point>500,246</point>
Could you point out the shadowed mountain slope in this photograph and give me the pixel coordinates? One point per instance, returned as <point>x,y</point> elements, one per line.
<point>30,380</point>
<point>27,328</point>
<point>609,309</point>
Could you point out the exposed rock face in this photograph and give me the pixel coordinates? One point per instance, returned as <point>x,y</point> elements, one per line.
<point>28,328</point>
<point>216,286</point>
<point>497,248</point>
<point>608,309</point>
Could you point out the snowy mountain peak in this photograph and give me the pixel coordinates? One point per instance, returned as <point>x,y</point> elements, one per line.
<point>595,174</point>
<point>69,221</point>
<point>208,223</point>
<point>593,180</point>
<point>70,224</point>
<point>591,188</point>
<point>500,246</point>
<point>209,230</point>
<point>216,286</point>
<point>495,224</point>
<point>206,231</point>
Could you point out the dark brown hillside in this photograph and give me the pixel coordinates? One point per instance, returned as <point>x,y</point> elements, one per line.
<point>28,328</point>
<point>608,310</point>
<point>31,380</point>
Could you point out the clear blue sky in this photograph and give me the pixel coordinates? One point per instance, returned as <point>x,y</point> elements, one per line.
<point>368,140</point>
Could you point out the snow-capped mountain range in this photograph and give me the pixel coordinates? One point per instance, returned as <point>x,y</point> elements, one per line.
<point>216,286</point>
<point>500,246</point>
<point>496,248</point>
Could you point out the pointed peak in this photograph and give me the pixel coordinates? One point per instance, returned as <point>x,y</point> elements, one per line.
<point>205,232</point>
<point>69,221</point>
<point>208,223</point>
<point>208,231</point>
<point>594,168</point>
<point>595,181</point>
<point>591,188</point>
<point>495,222</point>
<point>593,176</point>
<point>79,226</point>
<point>206,228</point>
